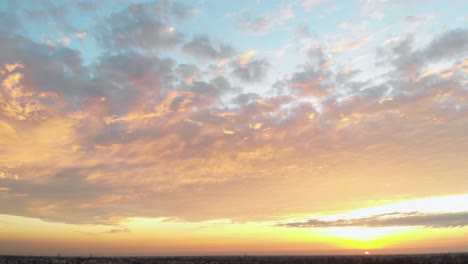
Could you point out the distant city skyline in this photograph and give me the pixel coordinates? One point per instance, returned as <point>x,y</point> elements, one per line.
<point>233,127</point>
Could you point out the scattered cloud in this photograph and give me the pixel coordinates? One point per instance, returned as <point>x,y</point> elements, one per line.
<point>182,11</point>
<point>310,4</point>
<point>287,12</point>
<point>117,230</point>
<point>203,47</point>
<point>140,25</point>
<point>81,35</point>
<point>249,70</point>
<point>350,46</point>
<point>249,23</point>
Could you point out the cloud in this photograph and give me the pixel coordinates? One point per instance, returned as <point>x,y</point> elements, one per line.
<point>182,12</point>
<point>64,72</point>
<point>202,47</point>
<point>436,220</point>
<point>374,9</point>
<point>48,12</point>
<point>132,79</point>
<point>117,230</point>
<point>245,98</point>
<point>215,87</point>
<point>111,160</point>
<point>65,41</point>
<point>303,31</point>
<point>246,57</point>
<point>310,4</point>
<point>447,45</point>
<point>287,13</point>
<point>350,46</point>
<point>86,5</point>
<point>10,22</point>
<point>139,25</point>
<point>257,25</point>
<point>251,70</point>
<point>306,83</point>
<point>408,61</point>
<point>188,73</point>
<point>81,35</point>
<point>417,21</point>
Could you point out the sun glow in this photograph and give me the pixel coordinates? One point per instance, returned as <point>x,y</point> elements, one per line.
<point>448,204</point>
<point>380,226</point>
<point>364,234</point>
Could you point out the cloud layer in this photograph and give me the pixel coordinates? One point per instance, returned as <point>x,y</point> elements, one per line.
<point>137,117</point>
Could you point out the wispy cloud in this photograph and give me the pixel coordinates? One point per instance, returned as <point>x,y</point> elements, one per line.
<point>440,220</point>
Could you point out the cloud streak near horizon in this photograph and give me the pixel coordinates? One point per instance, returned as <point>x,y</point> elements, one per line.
<point>389,220</point>
<point>148,110</point>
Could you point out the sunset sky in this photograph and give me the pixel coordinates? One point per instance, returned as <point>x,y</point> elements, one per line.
<point>233,127</point>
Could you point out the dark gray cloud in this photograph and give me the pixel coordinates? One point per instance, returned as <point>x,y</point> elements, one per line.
<point>407,61</point>
<point>10,22</point>
<point>254,71</point>
<point>187,70</point>
<point>55,14</point>
<point>115,76</point>
<point>202,47</point>
<point>450,44</point>
<point>435,220</point>
<point>141,26</point>
<point>49,69</point>
<point>310,82</point>
<point>125,77</point>
<point>316,56</point>
<point>216,86</point>
<point>182,12</point>
<point>137,68</point>
<point>245,99</point>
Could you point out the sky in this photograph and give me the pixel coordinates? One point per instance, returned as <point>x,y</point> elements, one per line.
<point>233,127</point>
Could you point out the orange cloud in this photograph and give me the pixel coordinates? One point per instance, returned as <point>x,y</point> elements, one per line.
<point>169,105</point>
<point>18,102</point>
<point>383,100</point>
<point>256,126</point>
<point>351,46</point>
<point>81,35</point>
<point>312,87</point>
<point>228,132</point>
<point>12,67</point>
<point>246,57</point>
<point>445,72</point>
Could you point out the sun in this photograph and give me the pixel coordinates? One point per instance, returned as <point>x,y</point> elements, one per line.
<point>366,253</point>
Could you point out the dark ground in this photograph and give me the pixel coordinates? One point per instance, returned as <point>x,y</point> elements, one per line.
<point>460,258</point>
